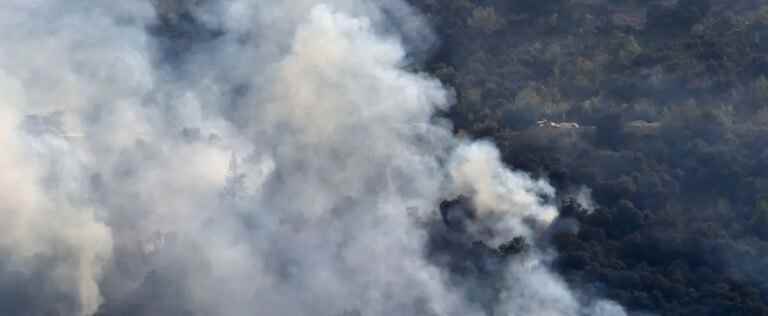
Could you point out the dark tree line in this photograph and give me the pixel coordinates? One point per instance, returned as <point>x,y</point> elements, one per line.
<point>671,98</point>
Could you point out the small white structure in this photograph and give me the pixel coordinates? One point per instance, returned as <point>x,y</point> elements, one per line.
<point>550,124</point>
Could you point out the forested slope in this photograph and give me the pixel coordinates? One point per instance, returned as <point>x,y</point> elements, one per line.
<point>671,104</point>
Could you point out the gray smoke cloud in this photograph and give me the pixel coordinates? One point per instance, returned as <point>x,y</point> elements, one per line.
<point>244,157</point>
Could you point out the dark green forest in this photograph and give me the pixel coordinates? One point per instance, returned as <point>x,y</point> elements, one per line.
<point>659,107</point>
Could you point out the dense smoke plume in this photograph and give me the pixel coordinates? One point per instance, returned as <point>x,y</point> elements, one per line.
<point>245,157</point>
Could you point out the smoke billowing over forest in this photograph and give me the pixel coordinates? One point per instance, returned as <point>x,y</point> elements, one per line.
<point>657,108</point>
<point>383,157</point>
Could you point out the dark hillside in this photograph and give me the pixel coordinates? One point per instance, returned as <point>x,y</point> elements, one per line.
<point>671,102</point>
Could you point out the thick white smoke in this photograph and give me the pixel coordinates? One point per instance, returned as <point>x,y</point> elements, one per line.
<point>242,158</point>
